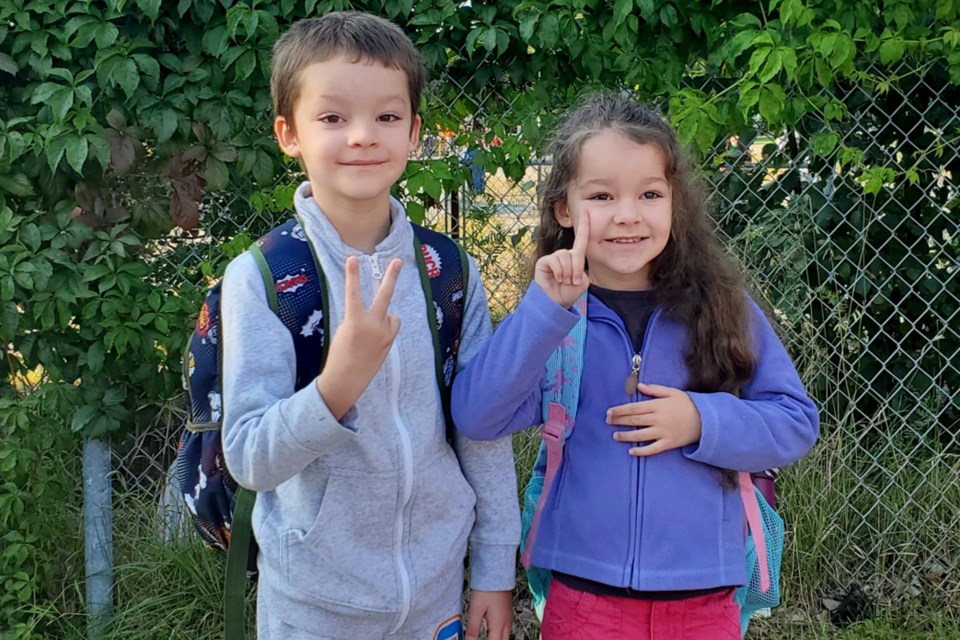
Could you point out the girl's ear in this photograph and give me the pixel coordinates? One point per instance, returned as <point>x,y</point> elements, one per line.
<point>562,215</point>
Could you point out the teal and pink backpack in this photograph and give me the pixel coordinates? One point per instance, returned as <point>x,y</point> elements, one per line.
<point>297,293</point>
<point>561,391</point>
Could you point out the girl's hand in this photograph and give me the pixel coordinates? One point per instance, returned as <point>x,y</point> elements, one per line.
<point>669,421</point>
<point>561,274</point>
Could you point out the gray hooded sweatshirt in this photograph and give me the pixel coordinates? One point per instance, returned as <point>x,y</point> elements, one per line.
<point>363,523</point>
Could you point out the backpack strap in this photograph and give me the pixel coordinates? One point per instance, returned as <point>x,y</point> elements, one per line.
<point>297,293</point>
<point>751,508</point>
<point>444,277</point>
<point>561,394</point>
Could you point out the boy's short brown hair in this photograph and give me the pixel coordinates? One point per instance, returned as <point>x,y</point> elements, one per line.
<point>361,35</point>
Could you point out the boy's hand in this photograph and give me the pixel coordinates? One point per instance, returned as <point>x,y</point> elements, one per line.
<point>496,607</point>
<point>361,342</point>
<point>561,274</point>
<point>669,421</point>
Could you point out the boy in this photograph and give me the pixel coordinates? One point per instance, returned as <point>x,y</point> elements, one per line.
<point>363,510</point>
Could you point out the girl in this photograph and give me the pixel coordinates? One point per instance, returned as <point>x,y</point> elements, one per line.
<point>684,382</point>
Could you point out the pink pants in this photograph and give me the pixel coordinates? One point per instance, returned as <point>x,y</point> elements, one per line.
<point>575,615</point>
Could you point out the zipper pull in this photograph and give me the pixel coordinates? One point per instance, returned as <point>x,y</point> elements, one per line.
<point>375,267</point>
<point>630,386</point>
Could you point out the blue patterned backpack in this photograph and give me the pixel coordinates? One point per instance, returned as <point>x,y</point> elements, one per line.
<point>296,291</point>
<point>560,396</point>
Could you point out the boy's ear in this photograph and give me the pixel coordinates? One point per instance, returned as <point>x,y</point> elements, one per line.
<point>286,137</point>
<point>415,133</point>
<point>562,215</point>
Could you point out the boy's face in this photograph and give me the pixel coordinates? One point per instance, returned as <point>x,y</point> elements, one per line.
<point>353,129</point>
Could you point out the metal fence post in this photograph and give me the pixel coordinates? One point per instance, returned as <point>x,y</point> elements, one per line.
<point>98,535</point>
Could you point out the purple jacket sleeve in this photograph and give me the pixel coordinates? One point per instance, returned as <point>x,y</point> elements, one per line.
<point>498,390</point>
<point>773,423</point>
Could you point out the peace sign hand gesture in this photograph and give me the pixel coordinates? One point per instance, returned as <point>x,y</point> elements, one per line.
<point>361,342</point>
<point>561,274</point>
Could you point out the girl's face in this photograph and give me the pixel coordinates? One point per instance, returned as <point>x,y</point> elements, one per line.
<point>624,187</point>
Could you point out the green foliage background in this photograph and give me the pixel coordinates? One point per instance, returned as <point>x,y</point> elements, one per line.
<point>120,119</point>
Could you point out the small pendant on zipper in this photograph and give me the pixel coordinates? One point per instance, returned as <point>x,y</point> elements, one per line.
<point>630,386</point>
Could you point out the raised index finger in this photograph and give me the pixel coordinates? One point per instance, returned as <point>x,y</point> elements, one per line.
<point>582,234</point>
<point>381,301</point>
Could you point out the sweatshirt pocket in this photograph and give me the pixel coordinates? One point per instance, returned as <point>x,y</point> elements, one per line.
<point>441,518</point>
<point>347,556</point>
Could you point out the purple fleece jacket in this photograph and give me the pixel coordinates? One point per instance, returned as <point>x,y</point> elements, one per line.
<point>666,522</point>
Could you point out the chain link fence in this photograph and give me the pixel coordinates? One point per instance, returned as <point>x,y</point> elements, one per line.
<point>846,227</point>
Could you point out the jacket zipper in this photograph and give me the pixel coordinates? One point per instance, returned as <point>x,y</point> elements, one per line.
<point>641,462</point>
<point>406,456</point>
<point>636,360</point>
<point>375,267</point>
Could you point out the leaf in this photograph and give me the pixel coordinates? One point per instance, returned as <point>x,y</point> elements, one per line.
<point>125,74</point>
<point>528,25</point>
<point>771,67</point>
<point>55,151</point>
<point>95,357</point>
<point>225,153</point>
<point>122,151</point>
<point>82,417</point>
<point>217,175</point>
<point>60,103</point>
<point>471,42</point>
<point>151,8</point>
<point>30,236</point>
<point>772,99</point>
<point>245,65</point>
<point>148,65</point>
<point>757,58</point>
<point>668,15</point>
<point>824,142</point>
<point>105,35</point>
<point>166,125</point>
<point>112,397</point>
<point>185,199</point>
<point>489,39</point>
<point>891,50</point>
<point>646,8</point>
<point>43,92</point>
<point>77,152</point>
<point>549,31</point>
<point>263,168</point>
<point>215,41</point>
<point>621,9</point>
<point>116,119</point>
<point>8,65</point>
<point>17,184</point>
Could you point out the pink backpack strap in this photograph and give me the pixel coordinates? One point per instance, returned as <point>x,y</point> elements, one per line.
<point>754,520</point>
<point>553,437</point>
<point>561,393</point>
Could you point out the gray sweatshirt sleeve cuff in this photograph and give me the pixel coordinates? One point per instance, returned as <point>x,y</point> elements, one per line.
<point>493,567</point>
<point>310,423</point>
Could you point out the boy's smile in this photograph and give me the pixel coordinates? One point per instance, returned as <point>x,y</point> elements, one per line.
<point>353,129</point>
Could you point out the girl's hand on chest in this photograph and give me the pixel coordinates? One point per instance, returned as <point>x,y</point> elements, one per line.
<point>668,421</point>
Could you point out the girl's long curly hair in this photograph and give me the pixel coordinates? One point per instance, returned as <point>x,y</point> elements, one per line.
<point>695,281</point>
